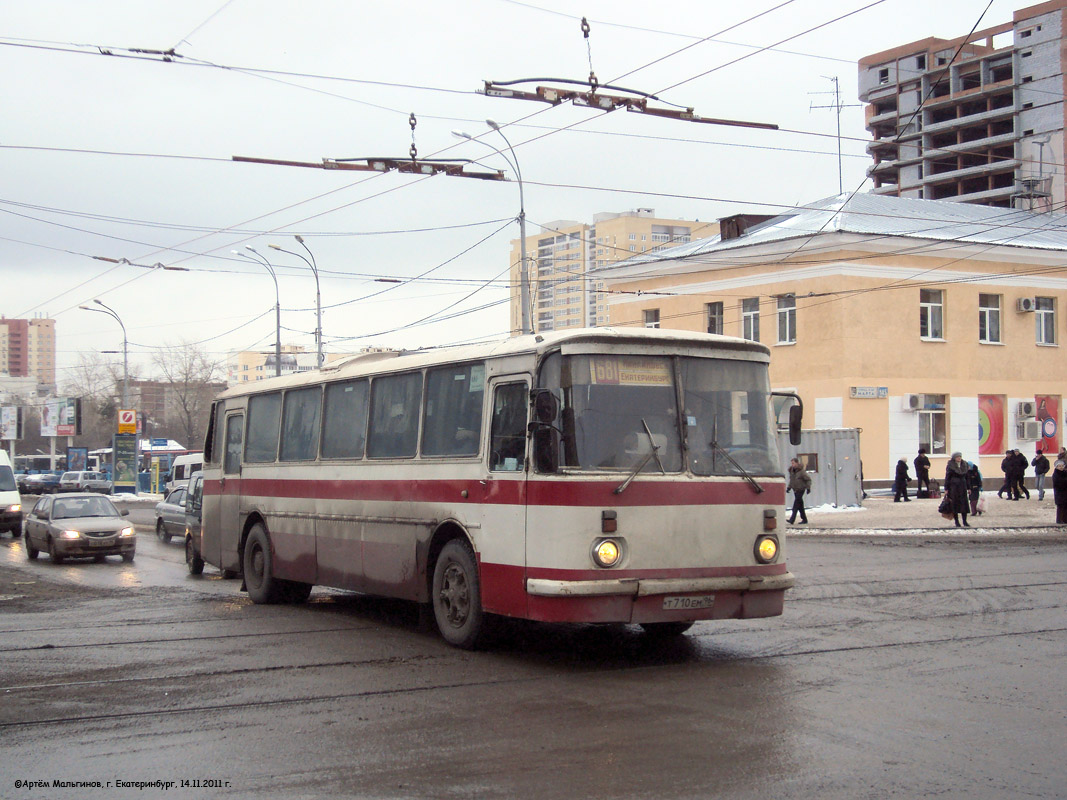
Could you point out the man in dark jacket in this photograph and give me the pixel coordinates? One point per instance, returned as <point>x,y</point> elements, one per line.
<point>1041,467</point>
<point>799,483</point>
<point>900,483</point>
<point>1007,466</point>
<point>1021,463</point>
<point>922,473</point>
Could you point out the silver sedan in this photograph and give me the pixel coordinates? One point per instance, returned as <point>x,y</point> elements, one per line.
<point>79,526</point>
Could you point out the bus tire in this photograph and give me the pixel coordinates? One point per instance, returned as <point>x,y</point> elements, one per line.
<point>665,630</point>
<point>457,597</point>
<point>258,560</point>
<point>192,558</point>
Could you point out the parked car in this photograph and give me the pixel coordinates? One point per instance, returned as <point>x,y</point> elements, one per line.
<point>170,514</point>
<point>79,526</point>
<point>41,483</point>
<point>84,482</point>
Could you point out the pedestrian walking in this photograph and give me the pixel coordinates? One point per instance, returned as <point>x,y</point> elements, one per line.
<point>1021,463</point>
<point>1007,466</point>
<point>922,474</point>
<point>957,488</point>
<point>1041,467</point>
<point>799,483</point>
<point>974,480</point>
<point>900,483</point>
<point>1059,491</point>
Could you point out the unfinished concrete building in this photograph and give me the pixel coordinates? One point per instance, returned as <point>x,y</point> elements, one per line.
<point>978,119</point>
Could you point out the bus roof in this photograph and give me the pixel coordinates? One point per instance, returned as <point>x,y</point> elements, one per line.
<point>402,360</point>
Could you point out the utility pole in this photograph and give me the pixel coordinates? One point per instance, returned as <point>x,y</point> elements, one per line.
<point>838,106</point>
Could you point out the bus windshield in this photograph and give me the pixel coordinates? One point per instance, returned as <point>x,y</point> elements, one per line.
<point>708,416</point>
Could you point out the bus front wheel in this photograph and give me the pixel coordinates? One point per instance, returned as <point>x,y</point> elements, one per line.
<point>457,597</point>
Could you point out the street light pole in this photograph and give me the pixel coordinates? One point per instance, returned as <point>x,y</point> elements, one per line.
<point>125,352</point>
<point>318,295</point>
<point>524,277</point>
<point>259,259</point>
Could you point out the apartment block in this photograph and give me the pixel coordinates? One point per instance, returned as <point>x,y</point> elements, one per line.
<point>28,349</point>
<point>562,294</point>
<point>977,119</point>
<point>256,365</point>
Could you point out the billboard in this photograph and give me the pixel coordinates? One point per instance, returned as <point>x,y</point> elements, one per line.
<point>61,417</point>
<point>1048,413</point>
<point>10,422</point>
<point>124,461</point>
<point>77,458</point>
<point>990,424</point>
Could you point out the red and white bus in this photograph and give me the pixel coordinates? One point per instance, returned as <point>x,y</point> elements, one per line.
<point>599,475</point>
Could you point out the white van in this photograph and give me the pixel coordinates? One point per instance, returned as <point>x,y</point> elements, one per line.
<point>183,468</point>
<point>10,502</point>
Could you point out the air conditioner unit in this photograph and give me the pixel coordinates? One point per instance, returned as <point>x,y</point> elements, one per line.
<point>1026,304</point>
<point>1025,409</point>
<point>1028,430</point>
<point>913,402</point>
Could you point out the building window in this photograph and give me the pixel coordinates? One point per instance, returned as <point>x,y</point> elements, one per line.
<point>750,318</point>
<point>931,314</point>
<point>633,237</point>
<point>715,320</point>
<point>989,318</point>
<point>933,424</point>
<point>652,318</point>
<point>787,319</point>
<point>883,76</point>
<point>920,62</point>
<point>1045,319</point>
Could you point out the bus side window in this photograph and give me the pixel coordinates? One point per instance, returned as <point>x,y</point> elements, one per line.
<point>234,441</point>
<point>507,444</point>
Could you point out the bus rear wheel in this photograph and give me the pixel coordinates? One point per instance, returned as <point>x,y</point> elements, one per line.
<point>457,597</point>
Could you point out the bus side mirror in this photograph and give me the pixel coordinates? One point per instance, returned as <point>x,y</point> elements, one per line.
<point>546,406</point>
<point>796,417</point>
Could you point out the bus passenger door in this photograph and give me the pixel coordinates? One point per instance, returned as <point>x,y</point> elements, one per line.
<point>502,544</point>
<point>227,527</point>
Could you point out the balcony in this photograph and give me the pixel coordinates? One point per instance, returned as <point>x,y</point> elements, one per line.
<point>965,122</point>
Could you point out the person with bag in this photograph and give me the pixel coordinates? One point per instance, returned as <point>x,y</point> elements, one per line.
<point>1041,467</point>
<point>799,482</point>
<point>900,483</point>
<point>974,478</point>
<point>957,489</point>
<point>922,474</point>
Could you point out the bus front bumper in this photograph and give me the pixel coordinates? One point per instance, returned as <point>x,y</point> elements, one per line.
<point>638,600</point>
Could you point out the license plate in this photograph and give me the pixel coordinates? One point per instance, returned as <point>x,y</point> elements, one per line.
<point>687,603</point>
<point>101,542</point>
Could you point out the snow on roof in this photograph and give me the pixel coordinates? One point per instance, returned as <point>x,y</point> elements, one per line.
<point>932,220</point>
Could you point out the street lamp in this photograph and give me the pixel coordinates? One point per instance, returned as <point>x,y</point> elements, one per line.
<point>524,278</point>
<point>259,259</point>
<point>125,353</point>
<point>318,295</point>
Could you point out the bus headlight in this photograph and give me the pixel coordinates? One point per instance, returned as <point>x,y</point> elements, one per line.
<point>766,549</point>
<point>606,552</point>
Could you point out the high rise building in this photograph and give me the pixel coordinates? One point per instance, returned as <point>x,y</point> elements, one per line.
<point>564,251</point>
<point>978,119</point>
<point>28,349</point>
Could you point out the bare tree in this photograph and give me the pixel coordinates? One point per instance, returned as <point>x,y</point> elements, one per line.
<point>98,382</point>
<point>193,381</point>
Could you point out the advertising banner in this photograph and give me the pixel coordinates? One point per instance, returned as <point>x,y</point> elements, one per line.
<point>990,424</point>
<point>60,417</point>
<point>124,462</point>
<point>77,458</point>
<point>1048,414</point>
<point>9,422</point>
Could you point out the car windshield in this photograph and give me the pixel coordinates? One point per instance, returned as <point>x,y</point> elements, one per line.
<point>7,479</point>
<point>621,412</point>
<point>73,507</point>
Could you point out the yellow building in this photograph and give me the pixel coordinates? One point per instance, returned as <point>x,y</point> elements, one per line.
<point>923,323</point>
<point>255,365</point>
<point>560,256</point>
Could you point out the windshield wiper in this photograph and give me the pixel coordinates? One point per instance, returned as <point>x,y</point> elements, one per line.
<point>720,449</point>
<point>651,454</point>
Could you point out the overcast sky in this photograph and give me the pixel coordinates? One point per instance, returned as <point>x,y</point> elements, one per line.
<point>112,153</point>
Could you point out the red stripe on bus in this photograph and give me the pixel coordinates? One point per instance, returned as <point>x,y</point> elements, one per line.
<point>576,493</point>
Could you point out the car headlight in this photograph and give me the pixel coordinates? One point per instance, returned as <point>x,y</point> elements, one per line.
<point>606,552</point>
<point>766,549</point>
<point>14,508</point>
<point>126,532</point>
<point>70,535</point>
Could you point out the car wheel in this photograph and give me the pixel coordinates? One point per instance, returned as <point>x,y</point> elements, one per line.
<point>100,558</point>
<point>192,558</point>
<point>161,531</point>
<point>128,556</point>
<point>31,551</point>
<point>457,597</point>
<point>229,574</point>
<point>56,557</point>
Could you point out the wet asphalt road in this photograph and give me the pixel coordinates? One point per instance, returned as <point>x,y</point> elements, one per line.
<point>908,668</point>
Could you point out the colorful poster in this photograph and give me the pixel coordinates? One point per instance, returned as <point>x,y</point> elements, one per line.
<point>990,424</point>
<point>1048,413</point>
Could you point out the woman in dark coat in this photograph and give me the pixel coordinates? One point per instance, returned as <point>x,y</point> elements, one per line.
<point>900,484</point>
<point>957,487</point>
<point>1059,491</point>
<point>974,478</point>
